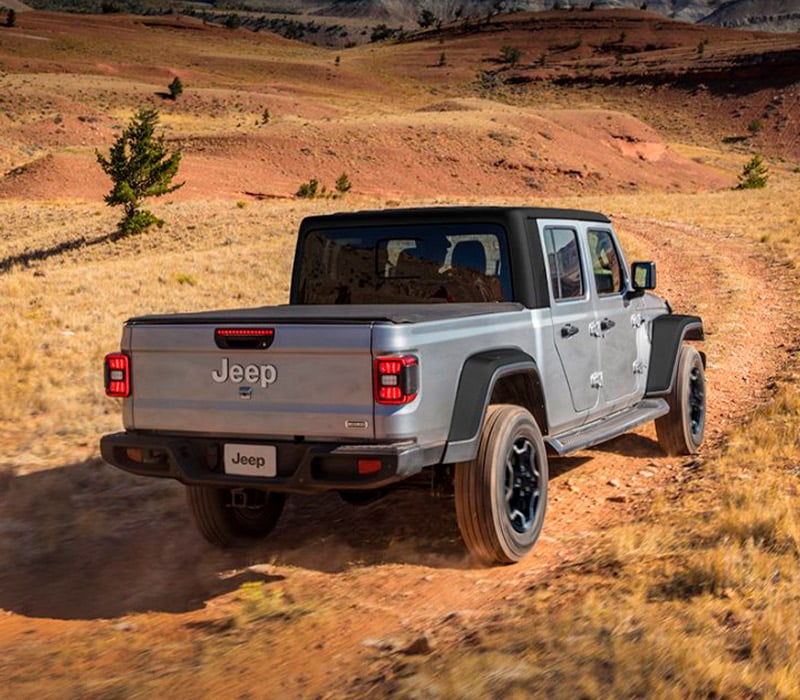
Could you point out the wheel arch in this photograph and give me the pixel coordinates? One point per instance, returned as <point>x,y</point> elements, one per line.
<point>668,333</point>
<point>507,375</point>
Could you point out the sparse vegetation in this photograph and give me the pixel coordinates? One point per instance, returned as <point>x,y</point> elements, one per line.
<point>754,175</point>
<point>343,185</point>
<point>11,17</point>
<point>175,88</point>
<point>510,55</point>
<point>442,60</point>
<point>308,190</point>
<point>426,18</point>
<point>140,166</point>
<point>755,126</point>
<point>265,116</point>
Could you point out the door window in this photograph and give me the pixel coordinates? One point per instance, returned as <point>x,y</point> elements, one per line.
<point>606,264</point>
<point>564,262</point>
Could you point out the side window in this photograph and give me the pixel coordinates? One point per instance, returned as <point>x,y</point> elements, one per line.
<point>606,265</point>
<point>564,262</point>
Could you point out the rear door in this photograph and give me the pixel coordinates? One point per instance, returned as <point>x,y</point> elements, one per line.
<point>311,380</point>
<point>573,313</point>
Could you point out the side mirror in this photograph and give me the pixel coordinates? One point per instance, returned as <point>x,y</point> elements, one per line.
<point>643,276</point>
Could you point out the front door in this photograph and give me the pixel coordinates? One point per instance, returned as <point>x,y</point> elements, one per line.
<point>573,315</point>
<point>616,320</point>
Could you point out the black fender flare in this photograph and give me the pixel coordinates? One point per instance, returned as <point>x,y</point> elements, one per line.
<point>479,375</point>
<point>668,333</point>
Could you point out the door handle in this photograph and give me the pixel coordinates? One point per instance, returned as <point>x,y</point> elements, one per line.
<point>568,331</point>
<point>607,324</point>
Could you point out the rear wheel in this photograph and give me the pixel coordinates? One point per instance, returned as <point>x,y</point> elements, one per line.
<point>680,432</point>
<point>501,495</point>
<point>227,525</point>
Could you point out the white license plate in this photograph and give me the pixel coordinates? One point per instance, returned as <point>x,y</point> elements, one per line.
<point>250,460</point>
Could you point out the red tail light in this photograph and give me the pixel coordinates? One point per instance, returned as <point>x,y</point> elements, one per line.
<point>118,375</point>
<point>396,379</point>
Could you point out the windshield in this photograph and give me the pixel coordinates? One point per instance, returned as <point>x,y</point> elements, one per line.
<point>405,264</point>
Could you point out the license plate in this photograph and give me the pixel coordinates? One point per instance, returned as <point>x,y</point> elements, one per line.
<point>250,460</point>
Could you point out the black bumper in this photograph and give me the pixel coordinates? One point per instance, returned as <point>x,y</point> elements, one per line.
<point>301,467</point>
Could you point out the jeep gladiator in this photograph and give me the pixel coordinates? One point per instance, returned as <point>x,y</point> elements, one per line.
<point>465,344</point>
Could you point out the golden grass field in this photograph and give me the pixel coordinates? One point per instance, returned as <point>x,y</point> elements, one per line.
<point>655,577</point>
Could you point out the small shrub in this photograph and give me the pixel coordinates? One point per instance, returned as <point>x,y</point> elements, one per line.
<point>337,61</point>
<point>754,175</point>
<point>426,19</point>
<point>308,190</point>
<point>442,60</point>
<point>175,88</point>
<point>343,184</point>
<point>185,279</point>
<point>265,116</point>
<point>240,204</point>
<point>233,21</point>
<point>11,18</point>
<point>510,55</point>
<point>755,126</point>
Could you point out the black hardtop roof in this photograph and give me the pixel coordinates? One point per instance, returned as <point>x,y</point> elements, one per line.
<point>442,215</point>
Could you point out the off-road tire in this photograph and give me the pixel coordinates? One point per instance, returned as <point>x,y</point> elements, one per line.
<point>680,432</point>
<point>225,525</point>
<point>493,490</point>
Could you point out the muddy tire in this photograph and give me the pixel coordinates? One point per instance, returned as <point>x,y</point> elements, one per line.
<point>226,525</point>
<point>680,432</point>
<point>501,495</point>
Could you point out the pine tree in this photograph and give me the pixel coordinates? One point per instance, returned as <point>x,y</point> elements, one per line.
<point>176,88</point>
<point>754,175</point>
<point>140,166</point>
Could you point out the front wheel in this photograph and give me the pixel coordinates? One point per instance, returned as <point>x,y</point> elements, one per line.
<point>501,495</point>
<point>680,432</point>
<point>224,524</point>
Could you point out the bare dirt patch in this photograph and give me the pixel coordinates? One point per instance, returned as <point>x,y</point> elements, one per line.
<point>375,581</point>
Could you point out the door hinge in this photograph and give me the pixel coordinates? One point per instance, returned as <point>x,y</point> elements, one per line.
<point>637,320</point>
<point>639,367</point>
<point>596,380</point>
<point>595,330</point>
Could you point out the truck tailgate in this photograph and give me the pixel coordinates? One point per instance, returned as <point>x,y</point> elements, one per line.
<point>314,380</point>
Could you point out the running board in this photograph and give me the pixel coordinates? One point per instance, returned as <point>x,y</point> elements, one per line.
<point>609,427</point>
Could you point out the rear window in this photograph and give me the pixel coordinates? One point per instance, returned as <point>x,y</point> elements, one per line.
<point>405,264</point>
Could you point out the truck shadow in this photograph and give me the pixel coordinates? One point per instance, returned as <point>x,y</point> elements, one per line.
<point>85,541</point>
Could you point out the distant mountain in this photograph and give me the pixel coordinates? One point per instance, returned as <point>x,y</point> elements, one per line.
<point>770,15</point>
<point>15,5</point>
<point>766,15</point>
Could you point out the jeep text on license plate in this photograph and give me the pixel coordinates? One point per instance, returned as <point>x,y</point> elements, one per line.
<point>250,460</point>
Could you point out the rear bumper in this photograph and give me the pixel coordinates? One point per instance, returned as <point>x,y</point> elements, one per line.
<point>301,467</point>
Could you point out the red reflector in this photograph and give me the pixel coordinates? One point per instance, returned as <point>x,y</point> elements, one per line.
<point>396,379</point>
<point>369,466</point>
<point>118,375</point>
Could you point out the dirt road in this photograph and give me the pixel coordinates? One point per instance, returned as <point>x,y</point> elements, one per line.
<point>104,580</point>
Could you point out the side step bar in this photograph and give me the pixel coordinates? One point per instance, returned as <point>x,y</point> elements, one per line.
<point>608,427</point>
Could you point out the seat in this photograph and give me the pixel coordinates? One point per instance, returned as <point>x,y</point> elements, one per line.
<point>470,255</point>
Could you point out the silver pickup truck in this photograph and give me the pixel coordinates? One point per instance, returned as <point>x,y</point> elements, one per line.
<point>464,343</point>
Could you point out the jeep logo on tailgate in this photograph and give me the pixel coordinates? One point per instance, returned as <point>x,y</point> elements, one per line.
<point>252,374</point>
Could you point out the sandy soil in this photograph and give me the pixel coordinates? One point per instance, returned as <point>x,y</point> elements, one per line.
<point>103,580</point>
<point>389,574</point>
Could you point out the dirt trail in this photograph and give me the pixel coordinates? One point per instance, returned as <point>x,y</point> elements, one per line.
<point>389,573</point>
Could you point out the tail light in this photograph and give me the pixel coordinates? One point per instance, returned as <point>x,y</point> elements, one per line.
<point>118,375</point>
<point>396,379</point>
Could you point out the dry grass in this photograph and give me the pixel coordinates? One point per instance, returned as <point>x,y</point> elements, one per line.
<point>697,599</point>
